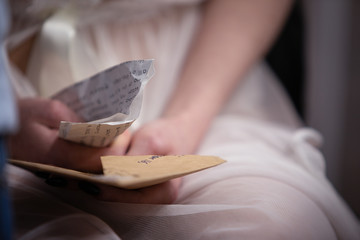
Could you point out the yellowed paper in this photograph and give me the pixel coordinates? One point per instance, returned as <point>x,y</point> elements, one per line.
<point>92,134</point>
<point>132,172</point>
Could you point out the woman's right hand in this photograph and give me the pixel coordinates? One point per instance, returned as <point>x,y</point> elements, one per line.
<point>37,139</point>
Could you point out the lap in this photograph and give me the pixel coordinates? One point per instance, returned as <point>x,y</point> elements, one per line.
<point>272,186</point>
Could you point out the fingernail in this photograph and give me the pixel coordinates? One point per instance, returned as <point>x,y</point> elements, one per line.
<point>89,188</point>
<point>43,175</point>
<point>56,181</point>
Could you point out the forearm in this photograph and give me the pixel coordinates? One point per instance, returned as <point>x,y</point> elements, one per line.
<point>232,36</point>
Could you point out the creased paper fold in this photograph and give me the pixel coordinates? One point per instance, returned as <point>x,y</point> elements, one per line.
<point>109,102</point>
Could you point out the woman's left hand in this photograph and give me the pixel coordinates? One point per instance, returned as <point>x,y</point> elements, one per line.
<point>165,136</point>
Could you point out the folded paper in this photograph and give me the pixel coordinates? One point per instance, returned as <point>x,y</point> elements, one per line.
<point>109,102</point>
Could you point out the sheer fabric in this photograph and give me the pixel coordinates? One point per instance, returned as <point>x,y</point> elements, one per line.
<point>272,187</point>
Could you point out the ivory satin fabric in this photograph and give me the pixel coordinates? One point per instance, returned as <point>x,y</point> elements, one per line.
<point>273,185</point>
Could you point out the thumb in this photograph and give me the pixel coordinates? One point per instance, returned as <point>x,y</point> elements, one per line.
<point>56,111</point>
<point>144,144</point>
<point>138,147</point>
<point>46,111</point>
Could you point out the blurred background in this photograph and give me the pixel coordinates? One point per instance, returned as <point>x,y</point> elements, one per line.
<point>317,57</point>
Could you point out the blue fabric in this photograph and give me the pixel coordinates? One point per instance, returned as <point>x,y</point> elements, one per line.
<point>5,217</point>
<point>8,116</point>
<point>7,124</point>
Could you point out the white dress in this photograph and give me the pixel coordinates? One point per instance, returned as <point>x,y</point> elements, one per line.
<point>273,185</point>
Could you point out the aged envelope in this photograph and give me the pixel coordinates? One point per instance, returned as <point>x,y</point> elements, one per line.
<point>133,172</point>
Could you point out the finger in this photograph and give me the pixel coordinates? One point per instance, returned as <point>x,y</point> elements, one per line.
<point>163,193</point>
<point>32,142</point>
<point>56,111</point>
<point>138,148</point>
<point>76,156</point>
<point>58,180</point>
<point>83,158</point>
<point>46,111</point>
<point>121,144</point>
<point>144,143</point>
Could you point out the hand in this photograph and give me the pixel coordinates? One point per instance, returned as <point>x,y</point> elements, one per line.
<point>163,193</point>
<point>37,139</point>
<point>166,136</point>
